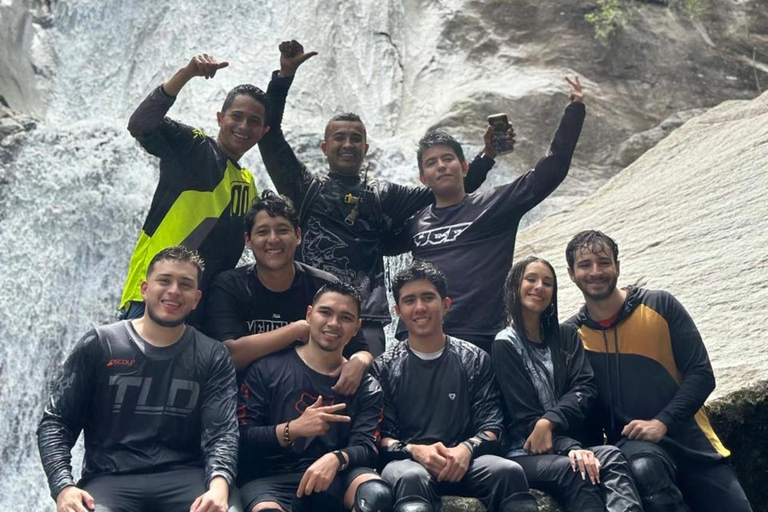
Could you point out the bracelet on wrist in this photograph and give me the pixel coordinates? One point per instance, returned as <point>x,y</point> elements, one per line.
<point>287,434</point>
<point>342,461</point>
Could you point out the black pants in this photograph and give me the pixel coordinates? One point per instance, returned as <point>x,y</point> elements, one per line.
<point>705,486</point>
<point>170,491</point>
<point>552,474</point>
<point>490,479</point>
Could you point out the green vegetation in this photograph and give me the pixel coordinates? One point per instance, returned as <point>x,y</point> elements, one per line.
<point>611,14</point>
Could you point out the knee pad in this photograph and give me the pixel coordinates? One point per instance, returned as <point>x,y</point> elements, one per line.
<point>413,505</point>
<point>520,502</point>
<point>373,496</point>
<point>654,484</point>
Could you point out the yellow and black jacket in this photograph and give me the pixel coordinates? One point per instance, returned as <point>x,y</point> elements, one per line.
<point>652,363</point>
<point>200,199</point>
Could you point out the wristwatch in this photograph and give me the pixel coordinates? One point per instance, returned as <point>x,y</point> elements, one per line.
<point>342,461</point>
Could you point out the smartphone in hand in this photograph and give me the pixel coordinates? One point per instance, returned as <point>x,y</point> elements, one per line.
<point>502,142</point>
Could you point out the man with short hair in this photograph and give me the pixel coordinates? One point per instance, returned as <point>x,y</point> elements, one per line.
<point>471,236</point>
<point>203,192</point>
<point>653,376</point>
<point>345,218</point>
<point>156,402</point>
<point>297,453</point>
<point>442,411</point>
<point>261,308</point>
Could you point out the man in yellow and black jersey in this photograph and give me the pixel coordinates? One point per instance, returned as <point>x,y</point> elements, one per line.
<point>202,193</point>
<point>653,376</point>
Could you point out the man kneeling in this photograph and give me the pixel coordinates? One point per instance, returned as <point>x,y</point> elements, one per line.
<point>442,414</point>
<point>305,446</point>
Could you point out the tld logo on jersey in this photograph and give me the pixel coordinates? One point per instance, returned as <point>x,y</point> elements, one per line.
<point>121,362</point>
<point>181,399</point>
<point>308,399</point>
<point>452,396</point>
<point>439,236</point>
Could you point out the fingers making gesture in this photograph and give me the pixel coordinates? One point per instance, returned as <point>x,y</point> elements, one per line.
<point>317,418</point>
<point>292,55</point>
<point>576,93</point>
<point>205,65</point>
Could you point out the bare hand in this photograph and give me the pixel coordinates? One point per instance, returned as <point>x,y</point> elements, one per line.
<point>428,455</point>
<point>488,149</point>
<point>74,499</point>
<point>576,93</point>
<point>316,419</point>
<point>215,500</point>
<point>585,462</point>
<point>319,475</point>
<point>303,330</point>
<point>292,56</point>
<point>204,65</point>
<point>457,460</point>
<point>641,430</point>
<point>540,440</point>
<point>351,374</point>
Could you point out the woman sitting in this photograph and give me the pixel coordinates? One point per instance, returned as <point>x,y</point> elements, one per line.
<point>546,383</point>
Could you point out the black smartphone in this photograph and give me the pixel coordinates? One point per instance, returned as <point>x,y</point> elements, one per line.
<point>502,143</point>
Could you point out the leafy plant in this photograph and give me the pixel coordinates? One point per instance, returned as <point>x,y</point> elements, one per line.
<point>607,18</point>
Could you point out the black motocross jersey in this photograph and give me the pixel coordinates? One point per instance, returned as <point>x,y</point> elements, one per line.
<point>278,388</point>
<point>141,407</point>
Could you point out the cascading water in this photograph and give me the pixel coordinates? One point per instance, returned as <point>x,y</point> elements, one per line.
<point>79,187</point>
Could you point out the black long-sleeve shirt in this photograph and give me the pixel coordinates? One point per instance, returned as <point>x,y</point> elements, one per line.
<point>278,388</point>
<point>141,407</point>
<point>574,390</point>
<point>448,399</point>
<point>473,241</point>
<point>353,253</point>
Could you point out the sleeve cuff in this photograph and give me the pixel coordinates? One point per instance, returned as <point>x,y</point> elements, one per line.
<point>666,419</point>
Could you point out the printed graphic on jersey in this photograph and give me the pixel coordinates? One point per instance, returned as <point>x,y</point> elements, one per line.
<point>321,247</point>
<point>441,235</point>
<point>258,326</point>
<point>240,199</point>
<point>308,399</point>
<point>181,401</point>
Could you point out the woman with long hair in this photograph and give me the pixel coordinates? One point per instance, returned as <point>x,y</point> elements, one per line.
<point>546,383</point>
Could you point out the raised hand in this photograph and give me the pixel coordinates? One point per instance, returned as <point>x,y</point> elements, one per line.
<point>204,65</point>
<point>292,55</point>
<point>317,418</point>
<point>576,93</point>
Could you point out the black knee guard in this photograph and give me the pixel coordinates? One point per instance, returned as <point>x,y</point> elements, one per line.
<point>373,496</point>
<point>413,505</point>
<point>520,502</point>
<point>655,486</point>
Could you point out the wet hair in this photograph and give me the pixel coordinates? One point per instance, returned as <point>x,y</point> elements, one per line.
<point>178,253</point>
<point>549,328</point>
<point>346,116</point>
<point>275,205</point>
<point>342,289</point>
<point>420,271</point>
<point>438,138</point>
<point>252,91</point>
<point>548,324</point>
<point>593,241</point>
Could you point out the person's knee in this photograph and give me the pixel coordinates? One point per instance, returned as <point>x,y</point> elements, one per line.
<point>655,484</point>
<point>267,506</point>
<point>408,472</point>
<point>413,504</point>
<point>373,496</point>
<point>511,471</point>
<point>520,502</point>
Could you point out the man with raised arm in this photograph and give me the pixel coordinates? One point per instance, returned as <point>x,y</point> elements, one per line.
<point>261,308</point>
<point>471,236</point>
<point>442,411</point>
<point>155,400</point>
<point>203,192</point>
<point>304,446</point>
<point>345,217</point>
<point>653,376</point>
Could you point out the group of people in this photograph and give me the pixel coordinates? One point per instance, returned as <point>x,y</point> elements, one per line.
<point>268,388</point>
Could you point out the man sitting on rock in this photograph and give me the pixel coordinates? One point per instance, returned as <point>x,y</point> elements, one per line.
<point>156,401</point>
<point>202,193</point>
<point>296,452</point>
<point>471,236</point>
<point>442,414</point>
<point>261,308</point>
<point>653,377</point>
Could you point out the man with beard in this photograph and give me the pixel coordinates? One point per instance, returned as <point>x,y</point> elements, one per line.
<point>202,193</point>
<point>345,218</point>
<point>304,446</point>
<point>261,308</point>
<point>156,402</point>
<point>653,376</point>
